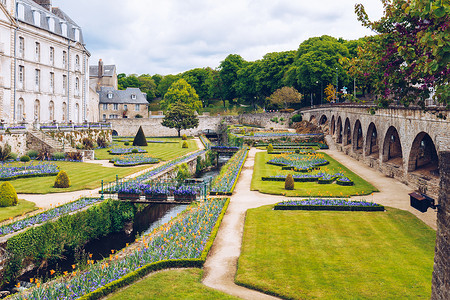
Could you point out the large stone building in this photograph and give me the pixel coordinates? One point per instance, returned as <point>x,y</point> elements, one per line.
<point>43,65</point>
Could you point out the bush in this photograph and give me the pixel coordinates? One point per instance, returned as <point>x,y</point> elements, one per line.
<point>12,156</point>
<point>185,145</point>
<point>32,153</point>
<point>138,116</point>
<point>58,156</point>
<point>74,156</point>
<point>44,154</point>
<point>297,118</point>
<point>8,195</point>
<point>126,143</point>
<point>101,142</point>
<point>183,172</point>
<point>270,148</point>
<point>62,180</point>
<point>139,139</point>
<point>134,151</point>
<point>184,137</point>
<point>289,182</point>
<point>24,158</point>
<point>4,152</point>
<point>88,144</point>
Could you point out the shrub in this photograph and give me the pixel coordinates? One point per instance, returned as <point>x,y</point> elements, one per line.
<point>32,153</point>
<point>289,182</point>
<point>139,139</point>
<point>296,118</point>
<point>185,145</point>
<point>4,152</point>
<point>270,148</point>
<point>8,195</point>
<point>183,172</point>
<point>88,143</point>
<point>101,142</point>
<point>44,154</point>
<point>58,156</point>
<point>134,151</point>
<point>24,158</point>
<point>138,116</point>
<point>12,156</point>
<point>126,143</point>
<point>74,156</point>
<point>62,180</point>
<point>184,137</point>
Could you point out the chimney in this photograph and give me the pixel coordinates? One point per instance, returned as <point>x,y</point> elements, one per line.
<point>47,4</point>
<point>100,68</point>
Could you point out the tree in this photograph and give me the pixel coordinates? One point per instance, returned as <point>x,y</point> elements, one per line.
<point>228,73</point>
<point>285,96</point>
<point>180,116</point>
<point>330,93</point>
<point>165,83</point>
<point>181,91</point>
<point>198,79</point>
<point>411,53</point>
<point>139,138</point>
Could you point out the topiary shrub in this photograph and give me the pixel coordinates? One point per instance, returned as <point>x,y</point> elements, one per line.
<point>134,151</point>
<point>289,182</point>
<point>270,148</point>
<point>32,153</point>
<point>139,139</point>
<point>62,180</point>
<point>184,145</point>
<point>126,143</point>
<point>296,118</point>
<point>184,137</point>
<point>8,195</point>
<point>24,158</point>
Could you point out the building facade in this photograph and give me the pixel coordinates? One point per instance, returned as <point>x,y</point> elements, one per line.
<point>43,65</point>
<point>122,104</point>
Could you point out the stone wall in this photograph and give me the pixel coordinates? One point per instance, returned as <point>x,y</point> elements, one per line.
<point>17,141</point>
<point>74,137</point>
<point>152,125</point>
<point>441,273</point>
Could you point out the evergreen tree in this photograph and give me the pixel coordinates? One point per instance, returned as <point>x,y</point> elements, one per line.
<point>139,139</point>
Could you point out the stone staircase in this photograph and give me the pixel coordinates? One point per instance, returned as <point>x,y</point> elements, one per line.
<point>35,136</point>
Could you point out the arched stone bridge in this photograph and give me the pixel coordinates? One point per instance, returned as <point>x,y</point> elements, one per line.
<point>400,142</point>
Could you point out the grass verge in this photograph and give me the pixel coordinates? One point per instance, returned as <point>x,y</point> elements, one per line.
<point>21,208</point>
<point>171,284</point>
<point>337,255</point>
<point>306,189</point>
<point>82,176</point>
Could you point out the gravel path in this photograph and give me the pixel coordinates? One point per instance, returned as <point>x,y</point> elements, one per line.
<point>221,264</point>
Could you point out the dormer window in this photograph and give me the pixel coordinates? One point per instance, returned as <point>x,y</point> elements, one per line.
<point>109,95</point>
<point>133,96</point>
<point>21,11</point>
<point>37,18</point>
<point>64,29</point>
<point>51,24</point>
<point>77,34</point>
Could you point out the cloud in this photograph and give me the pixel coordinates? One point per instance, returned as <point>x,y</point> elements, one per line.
<point>172,36</point>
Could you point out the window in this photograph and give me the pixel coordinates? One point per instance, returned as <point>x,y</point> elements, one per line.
<point>64,84</point>
<point>64,111</point>
<point>37,80</point>
<point>133,96</point>
<point>37,111</point>
<point>64,58</point>
<point>115,106</point>
<point>136,107</point>
<point>21,11</point>
<point>37,18</point>
<point>105,106</point>
<point>77,113</point>
<point>77,62</point>
<point>21,110</point>
<point>52,82</point>
<point>64,29</point>
<point>104,117</point>
<point>110,95</point>
<point>113,116</point>
<point>21,47</point>
<point>37,52</point>
<point>21,76</point>
<point>77,86</point>
<point>125,107</point>
<point>52,56</point>
<point>51,24</point>
<point>51,110</point>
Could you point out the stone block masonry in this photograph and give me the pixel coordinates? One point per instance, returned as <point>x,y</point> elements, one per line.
<point>441,273</point>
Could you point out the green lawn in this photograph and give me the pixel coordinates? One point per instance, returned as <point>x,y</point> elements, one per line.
<point>306,189</point>
<point>172,284</point>
<point>163,151</point>
<point>21,208</point>
<point>337,255</point>
<point>82,176</point>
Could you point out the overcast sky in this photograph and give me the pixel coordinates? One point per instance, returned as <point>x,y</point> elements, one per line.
<point>173,36</point>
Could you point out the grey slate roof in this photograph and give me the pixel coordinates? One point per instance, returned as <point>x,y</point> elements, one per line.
<point>57,14</point>
<point>108,71</point>
<point>121,97</point>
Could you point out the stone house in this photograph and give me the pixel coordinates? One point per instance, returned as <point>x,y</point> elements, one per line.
<point>122,104</point>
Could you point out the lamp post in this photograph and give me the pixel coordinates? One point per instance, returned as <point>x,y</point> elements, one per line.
<point>337,84</point>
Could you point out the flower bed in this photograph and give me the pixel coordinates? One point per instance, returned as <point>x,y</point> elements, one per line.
<point>226,181</point>
<point>205,141</point>
<point>48,215</point>
<point>344,181</point>
<point>329,204</point>
<point>133,160</point>
<point>299,144</point>
<point>180,243</point>
<point>298,162</point>
<point>8,172</point>
<point>121,151</point>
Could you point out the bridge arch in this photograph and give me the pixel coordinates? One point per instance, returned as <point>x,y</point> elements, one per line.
<point>333,126</point>
<point>372,144</point>
<point>323,120</point>
<point>358,139</point>
<point>115,133</point>
<point>312,119</point>
<point>347,132</point>
<point>339,130</point>
<point>392,147</point>
<point>423,155</point>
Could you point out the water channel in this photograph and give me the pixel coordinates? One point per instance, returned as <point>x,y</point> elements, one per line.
<point>145,221</point>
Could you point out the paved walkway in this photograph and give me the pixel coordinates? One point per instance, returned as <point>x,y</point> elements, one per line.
<point>221,264</point>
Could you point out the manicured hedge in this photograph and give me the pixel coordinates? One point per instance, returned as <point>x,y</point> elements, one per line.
<point>328,204</point>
